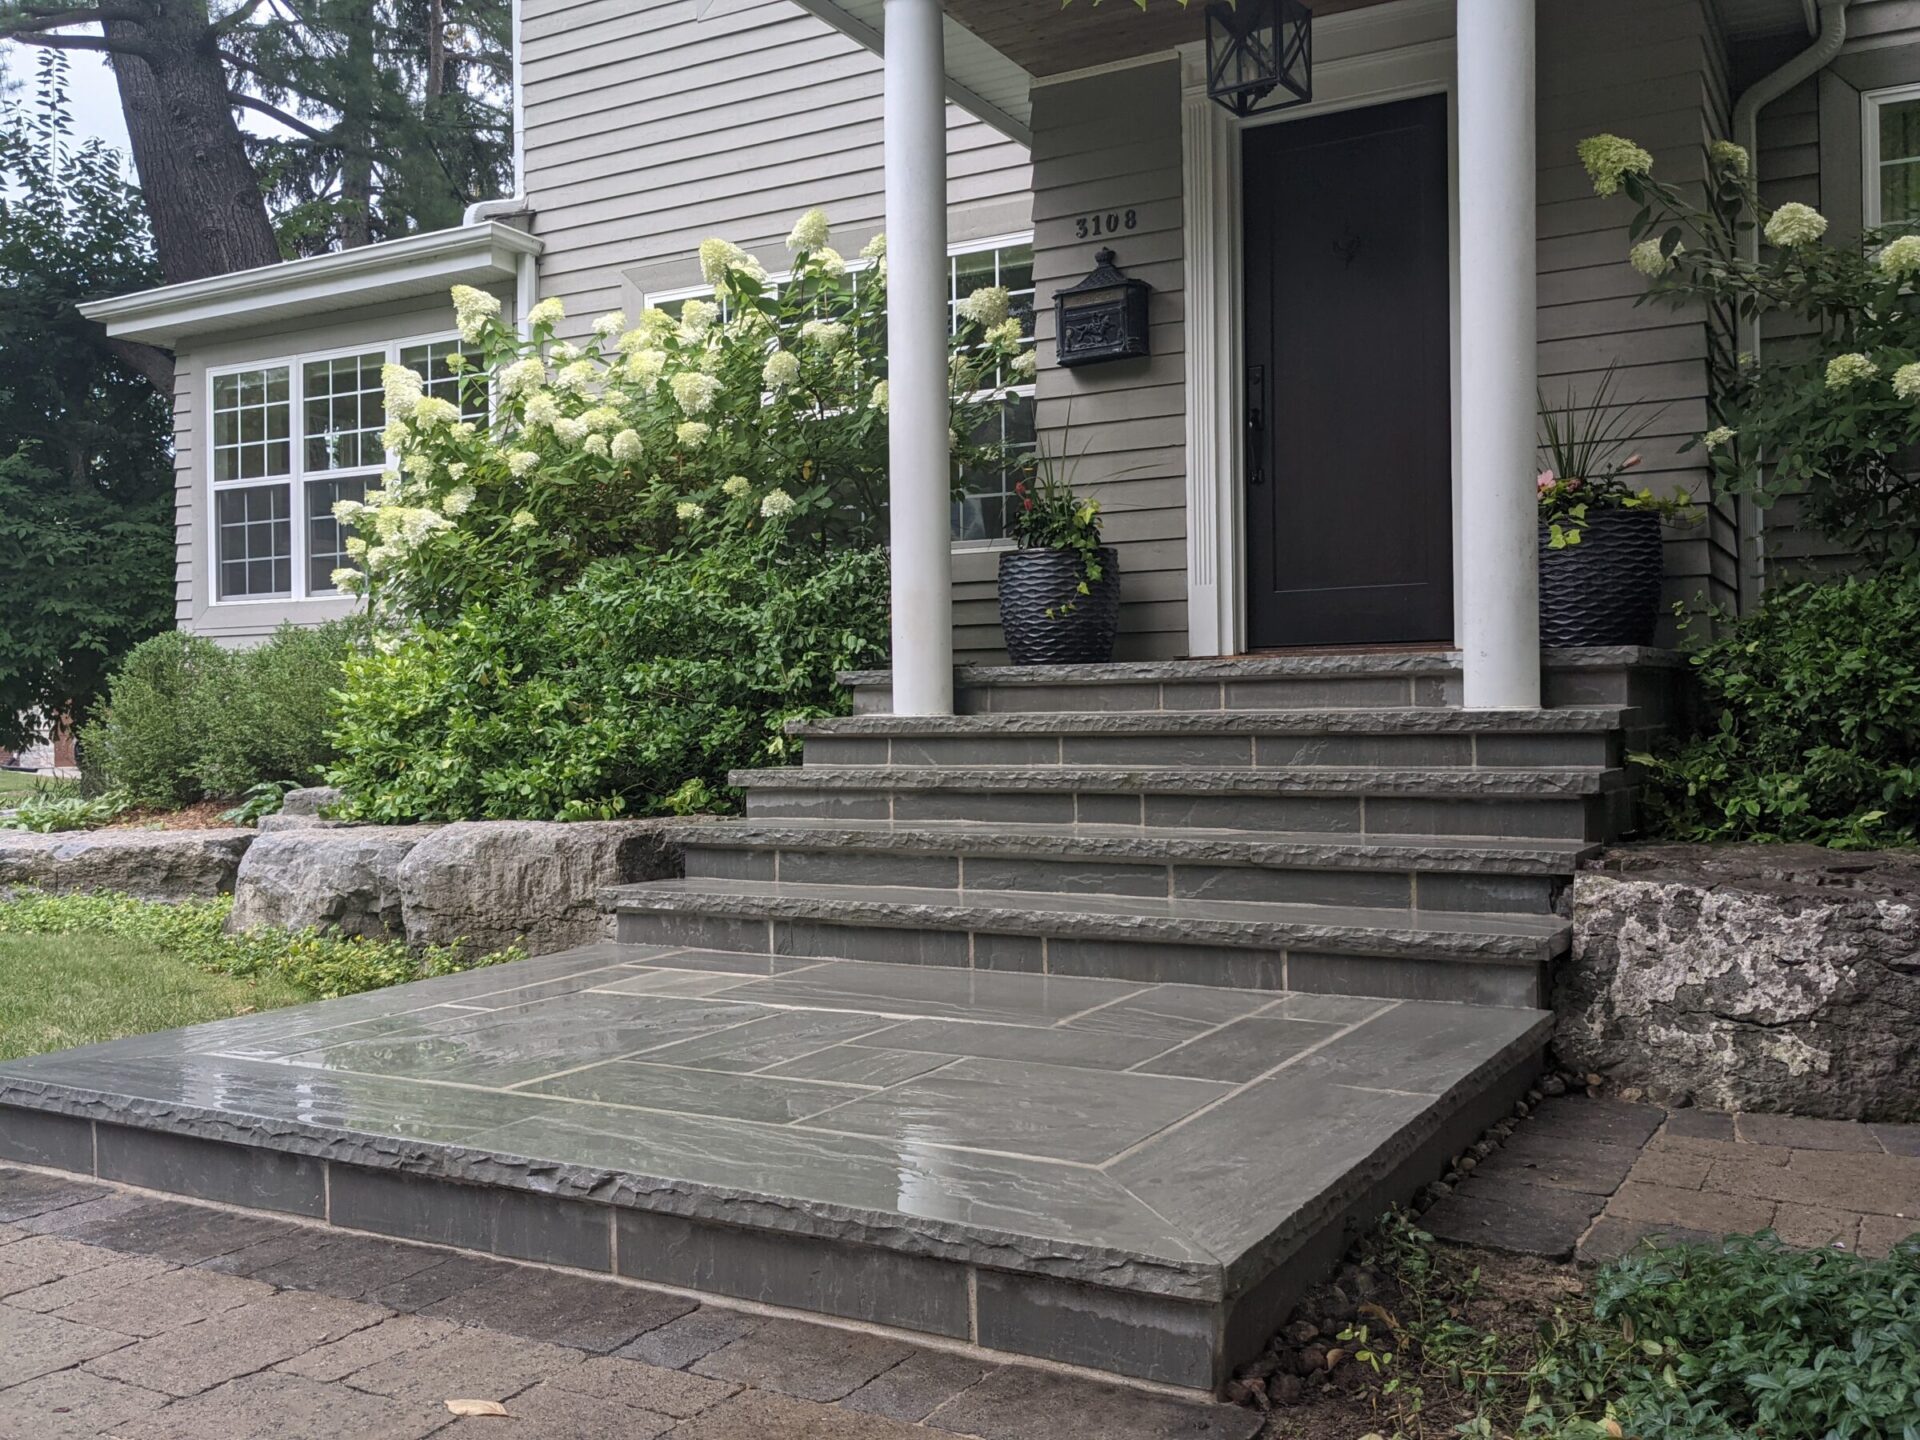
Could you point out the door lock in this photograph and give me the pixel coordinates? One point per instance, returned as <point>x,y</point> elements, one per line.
<point>1256,425</point>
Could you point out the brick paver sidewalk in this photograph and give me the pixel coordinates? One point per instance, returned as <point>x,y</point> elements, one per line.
<point>126,1315</point>
<point>1596,1177</point>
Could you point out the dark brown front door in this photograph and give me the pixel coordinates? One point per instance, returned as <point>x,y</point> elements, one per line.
<point>1349,413</point>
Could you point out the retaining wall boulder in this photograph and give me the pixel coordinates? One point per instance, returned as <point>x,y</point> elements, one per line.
<point>495,883</point>
<point>1748,977</point>
<point>345,879</point>
<point>151,864</point>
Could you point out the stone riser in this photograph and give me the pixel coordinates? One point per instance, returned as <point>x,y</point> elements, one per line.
<point>1560,817</point>
<point>1413,751</point>
<point>1380,887</point>
<point>1400,977</point>
<point>1304,693</point>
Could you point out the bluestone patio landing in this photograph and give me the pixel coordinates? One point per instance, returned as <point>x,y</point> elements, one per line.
<point>1137,1178</point>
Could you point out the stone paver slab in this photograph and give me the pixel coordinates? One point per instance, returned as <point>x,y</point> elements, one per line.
<point>1517,1218</point>
<point>43,1259</point>
<point>1871,1183</point>
<point>165,1302</point>
<point>757,1415</point>
<point>346,1265</point>
<point>469,1364</point>
<point>1597,1172</point>
<point>290,1407</point>
<point>1815,1227</point>
<point>1797,1132</point>
<point>1710,1210</point>
<point>1699,1124</point>
<point>236,1342</point>
<point>353,1353</point>
<point>1710,1149</point>
<point>35,1345</point>
<point>1614,1122</point>
<point>1675,1168</point>
<point>426,1288</point>
<point>1880,1233</point>
<point>119,1272</point>
<point>1898,1139</point>
<point>168,1230</point>
<point>547,1412</point>
<point>645,1387</point>
<point>679,1343</point>
<point>1016,1403</point>
<point>810,1362</point>
<point>74,1403</point>
<point>596,1315</point>
<point>1612,1237</point>
<point>918,1385</point>
<point>26,1193</point>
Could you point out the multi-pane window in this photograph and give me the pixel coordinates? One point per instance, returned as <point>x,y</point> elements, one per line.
<point>444,382</point>
<point>981,512</point>
<point>289,441</point>
<point>1893,157</point>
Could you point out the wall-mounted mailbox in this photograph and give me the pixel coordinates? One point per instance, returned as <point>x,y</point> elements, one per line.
<point>1102,318</point>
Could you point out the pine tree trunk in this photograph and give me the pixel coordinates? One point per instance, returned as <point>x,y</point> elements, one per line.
<point>208,215</point>
<point>356,131</point>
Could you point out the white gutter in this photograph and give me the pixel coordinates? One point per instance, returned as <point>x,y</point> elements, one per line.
<point>1831,35</point>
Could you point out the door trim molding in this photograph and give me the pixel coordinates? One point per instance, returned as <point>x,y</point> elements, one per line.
<point>1397,51</point>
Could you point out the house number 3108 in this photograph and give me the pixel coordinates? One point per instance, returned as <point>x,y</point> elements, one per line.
<point>1112,222</point>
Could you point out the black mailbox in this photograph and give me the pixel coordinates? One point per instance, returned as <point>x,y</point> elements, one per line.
<point>1104,317</point>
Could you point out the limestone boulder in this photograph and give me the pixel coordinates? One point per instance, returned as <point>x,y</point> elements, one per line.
<point>1748,977</point>
<point>495,883</point>
<point>150,864</point>
<point>304,810</point>
<point>344,879</point>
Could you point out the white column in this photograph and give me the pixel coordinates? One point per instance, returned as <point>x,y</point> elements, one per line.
<point>1499,625</point>
<point>917,327</point>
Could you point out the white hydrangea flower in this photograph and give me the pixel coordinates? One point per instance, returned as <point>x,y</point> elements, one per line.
<point>719,257</point>
<point>1649,260</point>
<point>402,390</point>
<point>781,370</point>
<point>523,376</point>
<point>601,419</point>
<point>458,501</point>
<point>356,547</point>
<point>987,306</point>
<point>694,392</point>
<point>880,397</point>
<point>809,231</point>
<point>522,463</point>
<point>457,470</point>
<point>874,248</point>
<point>1729,156</point>
<point>697,317</point>
<point>626,446</point>
<point>420,522</point>
<point>655,325</point>
<point>1795,224</point>
<point>1901,258</point>
<point>542,409</point>
<point>465,430</point>
<point>1849,369</point>
<point>1609,159</point>
<point>776,503</point>
<point>692,434</point>
<point>610,324</point>
<point>472,309</point>
<point>1025,363</point>
<point>576,377</point>
<point>1718,436</point>
<point>596,445</point>
<point>1006,335</point>
<point>417,466</point>
<point>735,486</point>
<point>524,520</point>
<point>348,512</point>
<point>569,431</point>
<point>565,350</point>
<point>1906,381</point>
<point>548,312</point>
<point>430,412</point>
<point>347,580</point>
<point>689,510</point>
<point>644,367</point>
<point>830,261</point>
<point>827,335</point>
<point>395,436</point>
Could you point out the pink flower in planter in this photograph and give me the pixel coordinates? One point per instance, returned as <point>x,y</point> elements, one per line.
<point>1630,461</point>
<point>1543,482</point>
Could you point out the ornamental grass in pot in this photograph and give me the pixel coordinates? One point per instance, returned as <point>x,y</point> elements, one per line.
<point>1060,588</point>
<point>1601,557</point>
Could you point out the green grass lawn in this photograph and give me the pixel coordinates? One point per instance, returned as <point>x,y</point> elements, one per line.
<point>62,990</point>
<point>20,782</point>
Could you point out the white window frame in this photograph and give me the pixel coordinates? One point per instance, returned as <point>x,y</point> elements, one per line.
<point>298,476</point>
<point>955,249</point>
<point>1871,103</point>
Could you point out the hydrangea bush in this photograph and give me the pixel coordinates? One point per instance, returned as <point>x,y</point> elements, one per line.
<point>659,547</point>
<point>1832,415</point>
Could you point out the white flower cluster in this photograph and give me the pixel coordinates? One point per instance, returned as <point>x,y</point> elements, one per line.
<point>775,504</point>
<point>610,324</point>
<point>689,510</point>
<point>472,309</point>
<point>1794,224</point>
<point>735,486</point>
<point>523,377</point>
<point>694,392</point>
<point>697,318</point>
<point>809,231</point>
<point>781,370</point>
<point>1650,260</point>
<point>626,447</point>
<point>988,306</point>
<point>1849,369</point>
<point>1906,381</point>
<point>645,367</point>
<point>548,312</point>
<point>1900,260</point>
<point>1718,436</point>
<point>692,434</point>
<point>719,259</point>
<point>402,390</point>
<point>829,336</point>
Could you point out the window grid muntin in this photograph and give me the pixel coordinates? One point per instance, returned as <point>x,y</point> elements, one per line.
<point>1892,161</point>
<point>429,357</point>
<point>253,542</point>
<point>251,414</point>
<point>326,537</point>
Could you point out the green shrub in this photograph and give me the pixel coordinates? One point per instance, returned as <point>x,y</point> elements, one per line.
<point>49,812</point>
<point>186,719</point>
<point>1814,727</point>
<point>323,964</point>
<point>632,691</point>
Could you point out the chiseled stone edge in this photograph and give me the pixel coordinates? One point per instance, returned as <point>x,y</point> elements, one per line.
<point>1410,941</point>
<point>1435,662</point>
<point>1468,855</point>
<point>1364,720</point>
<point>1105,1266</point>
<point>1260,1259</point>
<point>1503,783</point>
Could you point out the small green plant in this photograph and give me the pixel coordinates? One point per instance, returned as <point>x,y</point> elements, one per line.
<point>259,802</point>
<point>1049,516</point>
<point>48,811</point>
<point>1581,445</point>
<point>322,964</point>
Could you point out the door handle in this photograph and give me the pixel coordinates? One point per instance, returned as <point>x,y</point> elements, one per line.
<point>1256,425</point>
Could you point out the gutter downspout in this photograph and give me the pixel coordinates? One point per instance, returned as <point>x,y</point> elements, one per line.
<point>526,289</point>
<point>1826,45</point>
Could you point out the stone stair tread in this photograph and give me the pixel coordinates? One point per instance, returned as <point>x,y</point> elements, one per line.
<point>1369,720</point>
<point>1259,667</point>
<point>1556,782</point>
<point>1501,938</point>
<point>1131,842</point>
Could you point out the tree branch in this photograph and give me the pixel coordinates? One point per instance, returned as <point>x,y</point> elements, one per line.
<point>238,18</point>
<point>151,363</point>
<point>74,42</point>
<point>274,112</point>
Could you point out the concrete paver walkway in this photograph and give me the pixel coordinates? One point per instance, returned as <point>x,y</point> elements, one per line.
<point>127,1315</point>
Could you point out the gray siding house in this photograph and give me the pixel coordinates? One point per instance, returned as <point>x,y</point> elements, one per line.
<point>646,127</point>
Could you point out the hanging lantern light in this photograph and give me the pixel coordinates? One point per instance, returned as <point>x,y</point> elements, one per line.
<point>1259,54</point>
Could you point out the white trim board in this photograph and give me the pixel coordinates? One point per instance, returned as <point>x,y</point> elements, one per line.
<point>1389,52</point>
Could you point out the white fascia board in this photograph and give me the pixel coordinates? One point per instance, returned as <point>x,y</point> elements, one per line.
<point>980,80</point>
<point>418,265</point>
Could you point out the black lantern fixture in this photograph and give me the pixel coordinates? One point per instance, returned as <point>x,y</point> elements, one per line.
<point>1259,54</point>
<point>1104,317</point>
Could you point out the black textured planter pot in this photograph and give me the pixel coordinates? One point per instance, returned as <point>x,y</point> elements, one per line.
<point>1606,589</point>
<point>1033,582</point>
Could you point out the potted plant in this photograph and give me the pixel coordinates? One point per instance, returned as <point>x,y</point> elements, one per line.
<point>1060,588</point>
<point>1601,557</point>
